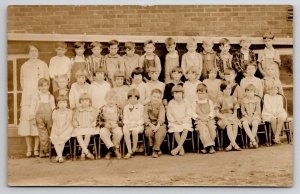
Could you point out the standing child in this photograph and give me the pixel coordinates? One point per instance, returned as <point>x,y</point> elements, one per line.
<point>269,56</point>
<point>208,57</point>
<point>190,86</point>
<point>95,61</point>
<point>138,83</point>
<point>251,112</point>
<point>176,75</point>
<point>224,58</point>
<point>99,88</point>
<point>78,88</point>
<point>203,113</point>
<point>251,79</point>
<point>78,62</point>
<point>59,64</point>
<point>179,119</point>
<point>213,85</point>
<point>131,60</point>
<point>236,90</point>
<point>110,122</point>
<point>113,60</point>
<point>62,83</point>
<point>84,122</point>
<point>62,126</point>
<point>227,106</point>
<point>133,121</point>
<point>154,83</point>
<point>120,89</point>
<point>154,117</point>
<point>242,58</point>
<point>42,105</point>
<point>172,58</point>
<point>270,80</point>
<point>274,112</point>
<point>191,58</point>
<point>149,59</point>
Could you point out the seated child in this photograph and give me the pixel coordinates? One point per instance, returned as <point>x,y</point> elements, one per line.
<point>153,83</point>
<point>242,58</point>
<point>131,60</point>
<point>274,112</point>
<point>138,83</point>
<point>133,121</point>
<point>99,88</point>
<point>179,119</point>
<point>78,62</point>
<point>269,56</point>
<point>78,88</point>
<point>110,123</point>
<point>203,114</point>
<point>42,105</point>
<point>172,58</point>
<point>226,113</point>
<point>149,59</point>
<point>270,80</point>
<point>114,62</point>
<point>84,122</point>
<point>120,89</point>
<point>208,57</point>
<point>62,83</point>
<point>224,58</point>
<point>251,112</point>
<point>154,117</point>
<point>213,85</point>
<point>191,58</point>
<point>62,127</point>
<point>176,75</point>
<point>251,79</point>
<point>190,86</point>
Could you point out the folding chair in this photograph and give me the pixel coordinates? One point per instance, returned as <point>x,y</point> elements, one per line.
<point>141,139</point>
<point>190,137</point>
<point>217,141</point>
<point>68,145</point>
<point>287,124</point>
<point>166,140</point>
<point>240,134</point>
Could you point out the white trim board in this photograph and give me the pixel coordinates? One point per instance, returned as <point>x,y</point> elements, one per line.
<point>133,38</point>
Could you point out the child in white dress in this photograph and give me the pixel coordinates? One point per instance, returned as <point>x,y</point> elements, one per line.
<point>138,83</point>
<point>62,127</point>
<point>190,86</point>
<point>213,85</point>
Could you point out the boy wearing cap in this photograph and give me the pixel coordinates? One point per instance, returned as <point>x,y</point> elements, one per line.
<point>154,83</point>
<point>242,58</point>
<point>99,88</point>
<point>269,56</point>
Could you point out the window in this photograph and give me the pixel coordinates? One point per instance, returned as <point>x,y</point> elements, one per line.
<point>14,88</point>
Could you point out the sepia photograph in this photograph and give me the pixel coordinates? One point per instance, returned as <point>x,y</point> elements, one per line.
<point>150,95</point>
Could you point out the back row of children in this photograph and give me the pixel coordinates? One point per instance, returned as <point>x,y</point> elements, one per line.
<point>110,75</point>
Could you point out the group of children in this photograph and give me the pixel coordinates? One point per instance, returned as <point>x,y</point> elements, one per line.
<point>117,96</point>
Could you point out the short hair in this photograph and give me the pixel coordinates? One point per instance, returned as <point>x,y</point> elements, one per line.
<point>156,90</point>
<point>95,44</point>
<point>31,46</point>
<point>224,41</point>
<point>202,87</point>
<point>111,94</point>
<point>63,77</point>
<point>137,71</point>
<point>191,41</point>
<point>129,45</point>
<point>224,85</point>
<point>119,74</point>
<point>176,69</point>
<point>42,81</point>
<point>85,96</point>
<point>149,42</point>
<point>81,72</point>
<point>270,87</point>
<point>228,71</point>
<point>113,42</point>
<point>79,45</point>
<point>244,38</point>
<point>268,35</point>
<point>62,98</point>
<point>208,41</point>
<point>133,93</point>
<point>177,88</point>
<point>215,70</point>
<point>252,64</point>
<point>100,70</point>
<point>170,41</point>
<point>193,69</point>
<point>61,44</point>
<point>153,69</point>
<point>250,87</point>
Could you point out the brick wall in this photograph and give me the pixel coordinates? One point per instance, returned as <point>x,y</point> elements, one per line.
<point>180,20</point>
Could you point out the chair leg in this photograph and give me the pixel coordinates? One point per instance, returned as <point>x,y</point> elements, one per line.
<point>74,155</point>
<point>242,138</point>
<point>144,142</point>
<point>266,135</point>
<point>168,139</point>
<point>193,143</point>
<point>270,133</point>
<point>222,140</point>
<point>70,149</point>
<point>198,142</point>
<point>218,140</point>
<point>99,148</point>
<point>95,147</point>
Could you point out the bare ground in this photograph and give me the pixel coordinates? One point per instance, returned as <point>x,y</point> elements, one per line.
<point>266,166</point>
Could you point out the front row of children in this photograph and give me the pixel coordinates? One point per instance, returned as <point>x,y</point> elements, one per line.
<point>136,117</point>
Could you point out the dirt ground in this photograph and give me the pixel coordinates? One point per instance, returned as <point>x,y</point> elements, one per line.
<point>266,166</point>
